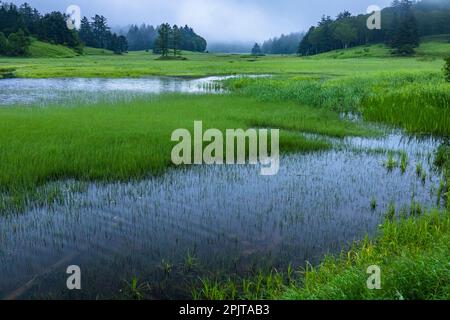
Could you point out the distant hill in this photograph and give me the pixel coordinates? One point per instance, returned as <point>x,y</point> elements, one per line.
<point>431,47</point>
<point>402,25</point>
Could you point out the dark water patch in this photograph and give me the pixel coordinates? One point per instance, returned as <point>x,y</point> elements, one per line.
<point>229,219</point>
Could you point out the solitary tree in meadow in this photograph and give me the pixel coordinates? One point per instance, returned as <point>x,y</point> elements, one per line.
<point>256,51</point>
<point>163,41</point>
<point>176,40</point>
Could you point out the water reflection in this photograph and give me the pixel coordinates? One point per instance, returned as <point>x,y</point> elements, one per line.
<point>43,91</point>
<point>229,217</point>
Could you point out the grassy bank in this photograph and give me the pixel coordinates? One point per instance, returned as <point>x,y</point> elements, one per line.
<point>39,49</point>
<point>416,101</point>
<point>412,253</point>
<point>430,47</point>
<point>411,249</point>
<point>131,140</point>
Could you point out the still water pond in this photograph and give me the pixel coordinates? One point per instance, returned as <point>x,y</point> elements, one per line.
<point>229,219</point>
<point>42,91</point>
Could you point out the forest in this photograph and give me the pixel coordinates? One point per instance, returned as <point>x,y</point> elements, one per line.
<point>402,25</point>
<point>144,37</point>
<point>20,24</point>
<point>284,44</point>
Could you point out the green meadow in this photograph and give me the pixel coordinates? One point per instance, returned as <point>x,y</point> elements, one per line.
<point>126,141</point>
<point>100,63</point>
<point>132,140</point>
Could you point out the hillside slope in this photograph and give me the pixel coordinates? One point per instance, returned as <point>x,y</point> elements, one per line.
<point>435,46</point>
<point>39,49</point>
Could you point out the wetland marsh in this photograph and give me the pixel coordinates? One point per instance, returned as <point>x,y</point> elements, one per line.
<point>86,177</point>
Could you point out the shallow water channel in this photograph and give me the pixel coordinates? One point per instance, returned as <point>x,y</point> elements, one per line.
<point>229,219</point>
<point>44,91</point>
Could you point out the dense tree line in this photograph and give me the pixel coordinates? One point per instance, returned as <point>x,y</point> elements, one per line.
<point>402,25</point>
<point>141,37</point>
<point>18,24</point>
<point>169,40</point>
<point>146,37</point>
<point>285,44</point>
<point>97,34</point>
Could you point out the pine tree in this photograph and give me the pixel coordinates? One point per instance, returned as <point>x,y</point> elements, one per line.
<point>256,51</point>
<point>30,17</point>
<point>176,40</point>
<point>85,33</point>
<point>162,44</point>
<point>3,44</point>
<point>406,35</point>
<point>100,31</point>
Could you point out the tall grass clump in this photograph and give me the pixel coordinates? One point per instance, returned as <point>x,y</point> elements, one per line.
<point>442,161</point>
<point>447,69</point>
<point>411,252</point>
<point>260,286</point>
<point>418,102</point>
<point>419,108</point>
<point>333,94</point>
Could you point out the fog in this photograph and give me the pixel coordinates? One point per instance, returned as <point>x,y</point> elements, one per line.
<point>216,20</point>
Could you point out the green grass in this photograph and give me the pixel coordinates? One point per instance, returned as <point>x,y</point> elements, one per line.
<point>442,161</point>
<point>127,141</point>
<point>89,51</point>
<point>420,107</point>
<point>138,64</point>
<point>413,250</point>
<point>416,101</point>
<point>368,51</point>
<point>39,49</point>
<point>131,140</point>
<point>435,47</point>
<point>412,253</point>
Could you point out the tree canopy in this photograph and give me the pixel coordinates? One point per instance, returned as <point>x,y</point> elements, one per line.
<point>285,44</point>
<point>256,50</point>
<point>17,24</point>
<point>145,37</point>
<point>97,34</point>
<point>402,25</point>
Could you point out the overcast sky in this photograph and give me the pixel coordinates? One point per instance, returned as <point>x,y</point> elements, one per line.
<point>216,20</point>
